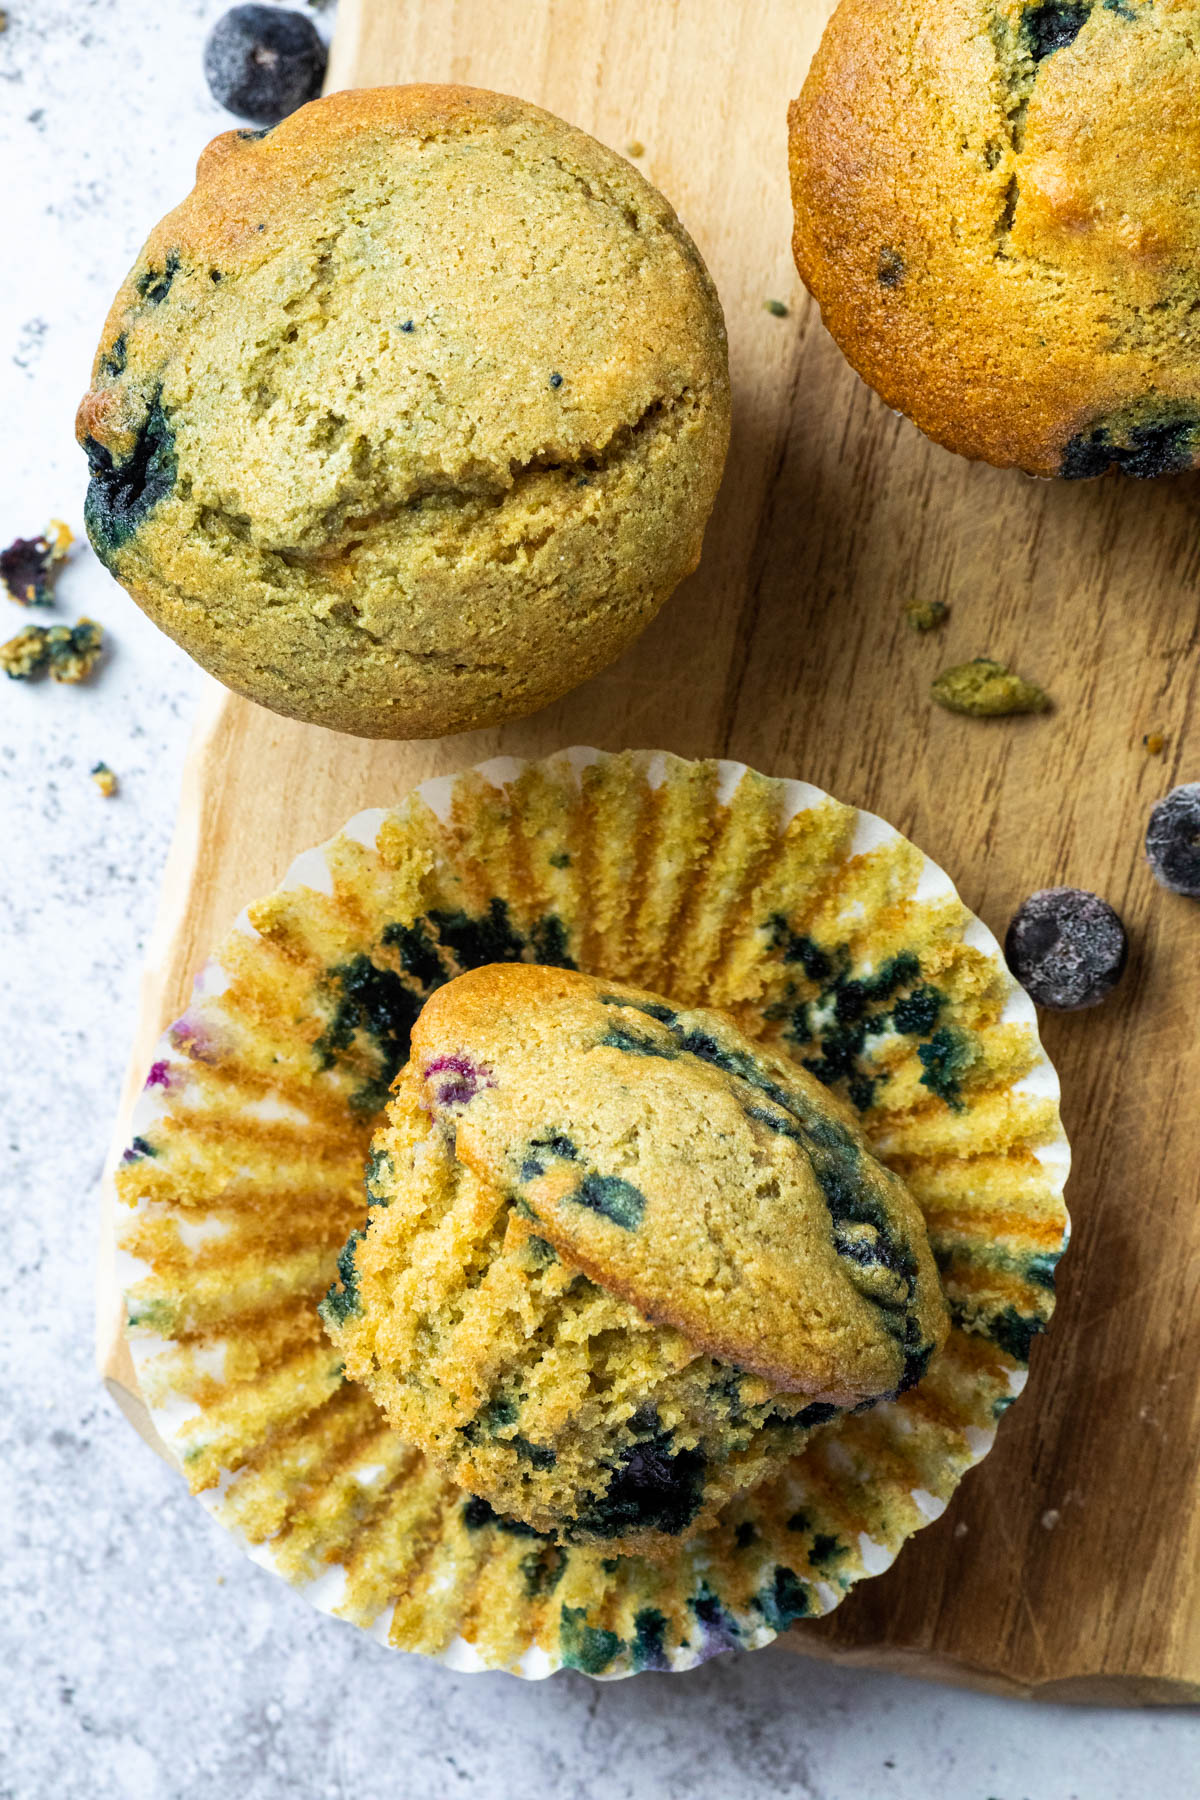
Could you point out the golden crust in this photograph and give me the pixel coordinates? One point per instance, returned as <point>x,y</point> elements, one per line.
<point>1001,227</point>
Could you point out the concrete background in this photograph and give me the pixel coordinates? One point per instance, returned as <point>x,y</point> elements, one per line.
<point>142,1656</point>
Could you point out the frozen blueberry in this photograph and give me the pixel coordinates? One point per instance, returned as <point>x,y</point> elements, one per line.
<point>1067,948</point>
<point>262,63</point>
<point>1173,840</point>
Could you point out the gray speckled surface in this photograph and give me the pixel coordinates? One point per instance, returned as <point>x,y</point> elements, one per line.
<point>142,1656</point>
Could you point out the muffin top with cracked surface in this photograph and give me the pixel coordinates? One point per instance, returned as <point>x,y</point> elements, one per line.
<point>618,1257</point>
<point>412,414</point>
<point>998,211</point>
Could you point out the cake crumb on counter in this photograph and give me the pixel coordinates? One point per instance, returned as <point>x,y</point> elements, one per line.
<point>987,690</point>
<point>68,652</point>
<point>926,615</point>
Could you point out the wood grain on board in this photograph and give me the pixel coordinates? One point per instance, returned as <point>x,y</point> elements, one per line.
<point>1069,1564</point>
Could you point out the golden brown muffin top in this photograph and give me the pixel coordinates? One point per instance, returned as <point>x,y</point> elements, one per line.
<point>998,210</point>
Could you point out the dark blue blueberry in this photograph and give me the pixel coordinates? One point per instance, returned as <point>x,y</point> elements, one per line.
<point>653,1488</point>
<point>619,1037</point>
<point>477,1513</point>
<point>583,1646</point>
<point>112,363</point>
<point>408,325</point>
<point>153,285</point>
<point>889,270</point>
<point>540,1252</point>
<point>556,380</point>
<point>861,1090</point>
<point>1067,948</point>
<point>1015,1332</point>
<point>813,960</point>
<point>139,1148</point>
<point>1146,451</point>
<point>121,495</point>
<point>945,1059</point>
<point>377,1002</point>
<point>745,1535</point>
<point>554,1147</point>
<point>616,1199</point>
<point>649,1640</point>
<point>418,954</point>
<point>342,1300</point>
<point>917,1357</point>
<point>1054,24</point>
<point>548,941</point>
<point>262,63</point>
<point>784,1601</point>
<point>823,1549</point>
<point>1040,1269</point>
<point>497,1414</point>
<point>542,1570</point>
<point>475,942</point>
<point>917,1013</point>
<point>538,1456</point>
<point>1173,841</point>
<point>818,1412</point>
<point>718,1628</point>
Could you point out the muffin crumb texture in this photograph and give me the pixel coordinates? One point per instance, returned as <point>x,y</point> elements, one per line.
<point>412,415</point>
<point>619,1262</point>
<point>996,209</point>
<point>67,652</point>
<point>985,689</point>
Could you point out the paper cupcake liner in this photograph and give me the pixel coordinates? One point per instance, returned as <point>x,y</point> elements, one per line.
<point>826,934</point>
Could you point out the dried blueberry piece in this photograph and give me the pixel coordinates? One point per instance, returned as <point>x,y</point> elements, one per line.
<point>1173,840</point>
<point>1067,948</point>
<point>262,63</point>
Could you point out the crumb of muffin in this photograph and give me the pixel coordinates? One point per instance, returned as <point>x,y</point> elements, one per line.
<point>987,690</point>
<point>635,147</point>
<point>926,615</point>
<point>1153,743</point>
<point>104,779</point>
<point>29,566</point>
<point>67,652</point>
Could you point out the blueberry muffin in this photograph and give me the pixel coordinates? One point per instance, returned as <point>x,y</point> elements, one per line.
<point>996,210</point>
<point>619,1263</point>
<point>412,415</point>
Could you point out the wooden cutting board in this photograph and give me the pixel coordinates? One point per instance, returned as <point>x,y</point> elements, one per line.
<point>1069,1565</point>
